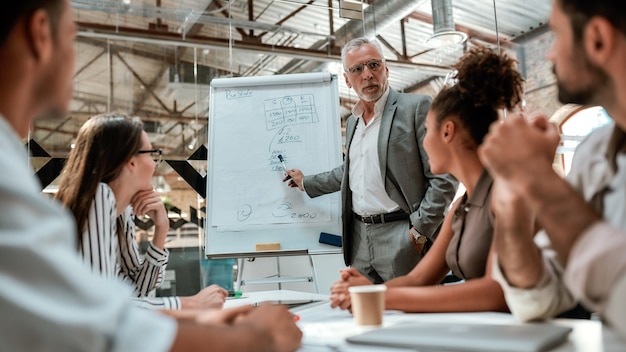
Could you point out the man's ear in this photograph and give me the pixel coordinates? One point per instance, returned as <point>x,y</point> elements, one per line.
<point>39,35</point>
<point>345,76</point>
<point>599,39</point>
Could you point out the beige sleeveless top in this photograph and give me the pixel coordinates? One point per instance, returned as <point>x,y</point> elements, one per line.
<point>472,228</point>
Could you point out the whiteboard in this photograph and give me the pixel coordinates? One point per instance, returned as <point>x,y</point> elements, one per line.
<point>253,120</point>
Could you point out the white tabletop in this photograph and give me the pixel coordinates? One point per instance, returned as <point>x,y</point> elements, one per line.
<point>325,329</point>
<point>276,295</point>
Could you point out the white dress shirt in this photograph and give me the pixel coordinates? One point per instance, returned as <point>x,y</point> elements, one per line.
<point>366,182</point>
<point>49,300</point>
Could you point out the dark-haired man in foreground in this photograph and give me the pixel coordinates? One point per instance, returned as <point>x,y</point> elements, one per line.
<point>585,220</point>
<point>48,300</point>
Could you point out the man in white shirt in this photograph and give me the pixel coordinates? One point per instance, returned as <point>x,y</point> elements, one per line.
<point>392,205</point>
<point>584,221</point>
<point>49,301</point>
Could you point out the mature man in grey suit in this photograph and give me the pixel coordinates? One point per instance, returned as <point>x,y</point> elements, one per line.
<point>392,205</point>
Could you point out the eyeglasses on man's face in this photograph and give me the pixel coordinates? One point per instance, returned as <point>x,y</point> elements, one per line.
<point>156,154</point>
<point>372,65</point>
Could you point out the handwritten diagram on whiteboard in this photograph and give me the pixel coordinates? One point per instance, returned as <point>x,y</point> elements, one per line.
<point>290,110</point>
<point>251,126</point>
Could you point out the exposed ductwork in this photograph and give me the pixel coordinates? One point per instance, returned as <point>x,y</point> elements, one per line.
<point>443,18</point>
<point>444,32</point>
<point>377,16</point>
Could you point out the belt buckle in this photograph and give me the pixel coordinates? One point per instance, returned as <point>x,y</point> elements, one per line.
<point>368,219</point>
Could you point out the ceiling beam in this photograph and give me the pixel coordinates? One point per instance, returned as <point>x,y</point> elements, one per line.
<point>295,12</point>
<point>54,130</point>
<point>91,30</point>
<point>84,116</point>
<point>227,15</point>
<point>390,47</point>
<point>146,115</point>
<point>168,57</point>
<point>94,59</point>
<point>146,85</point>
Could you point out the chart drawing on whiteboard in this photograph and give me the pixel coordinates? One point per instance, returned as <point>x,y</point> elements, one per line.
<point>290,110</point>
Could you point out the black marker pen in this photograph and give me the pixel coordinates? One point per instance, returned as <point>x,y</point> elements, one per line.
<point>282,160</point>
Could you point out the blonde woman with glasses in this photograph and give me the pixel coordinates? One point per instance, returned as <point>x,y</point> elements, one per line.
<point>107,180</point>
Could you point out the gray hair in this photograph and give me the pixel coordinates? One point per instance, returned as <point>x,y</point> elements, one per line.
<point>357,43</point>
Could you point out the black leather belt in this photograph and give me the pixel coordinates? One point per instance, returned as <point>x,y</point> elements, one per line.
<point>382,218</point>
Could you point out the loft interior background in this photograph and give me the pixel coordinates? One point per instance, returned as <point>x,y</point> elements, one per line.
<point>156,58</point>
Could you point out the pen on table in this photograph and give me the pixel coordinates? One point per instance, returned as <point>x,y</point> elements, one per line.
<point>235,294</point>
<point>282,160</point>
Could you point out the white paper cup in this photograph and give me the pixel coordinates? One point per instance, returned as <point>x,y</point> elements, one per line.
<point>368,304</point>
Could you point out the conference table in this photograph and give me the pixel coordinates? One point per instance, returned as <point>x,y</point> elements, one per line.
<point>325,329</point>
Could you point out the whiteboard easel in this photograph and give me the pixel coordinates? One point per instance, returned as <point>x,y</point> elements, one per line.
<point>252,120</point>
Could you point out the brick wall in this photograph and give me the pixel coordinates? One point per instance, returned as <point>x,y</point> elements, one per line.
<point>541,90</point>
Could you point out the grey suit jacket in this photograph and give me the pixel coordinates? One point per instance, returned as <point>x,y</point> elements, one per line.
<point>404,167</point>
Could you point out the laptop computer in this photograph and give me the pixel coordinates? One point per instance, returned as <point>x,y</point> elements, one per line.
<point>292,303</point>
<point>466,337</point>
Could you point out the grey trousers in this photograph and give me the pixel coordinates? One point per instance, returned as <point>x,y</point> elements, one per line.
<point>382,252</point>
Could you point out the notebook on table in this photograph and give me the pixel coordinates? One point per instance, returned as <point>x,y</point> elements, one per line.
<point>467,337</point>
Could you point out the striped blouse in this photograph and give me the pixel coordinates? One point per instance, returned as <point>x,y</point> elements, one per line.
<point>113,258</point>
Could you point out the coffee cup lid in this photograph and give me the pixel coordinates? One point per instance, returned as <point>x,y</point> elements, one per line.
<point>367,288</point>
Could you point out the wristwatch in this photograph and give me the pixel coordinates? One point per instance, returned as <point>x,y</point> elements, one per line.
<point>418,238</point>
